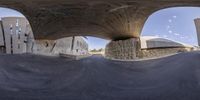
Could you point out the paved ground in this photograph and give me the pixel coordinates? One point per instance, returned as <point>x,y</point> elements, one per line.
<point>31,77</point>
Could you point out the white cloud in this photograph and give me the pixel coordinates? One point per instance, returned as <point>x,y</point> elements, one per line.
<point>165,36</point>
<point>169,20</point>
<point>170,31</point>
<point>168,26</point>
<point>176,34</point>
<point>186,37</point>
<point>155,31</point>
<point>182,37</point>
<point>174,16</point>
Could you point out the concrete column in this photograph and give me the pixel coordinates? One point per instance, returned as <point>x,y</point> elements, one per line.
<point>29,38</point>
<point>197,23</point>
<point>123,49</point>
<point>2,43</point>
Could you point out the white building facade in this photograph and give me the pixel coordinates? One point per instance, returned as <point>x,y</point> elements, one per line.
<point>16,37</point>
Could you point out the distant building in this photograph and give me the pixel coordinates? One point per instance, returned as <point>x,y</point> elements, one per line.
<point>197,23</point>
<point>16,37</point>
<point>80,45</point>
<point>153,42</point>
<point>157,47</point>
<point>97,52</point>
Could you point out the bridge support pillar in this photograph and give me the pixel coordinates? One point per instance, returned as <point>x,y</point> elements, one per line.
<point>123,49</point>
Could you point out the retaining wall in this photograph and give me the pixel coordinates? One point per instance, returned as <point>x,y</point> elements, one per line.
<point>123,49</point>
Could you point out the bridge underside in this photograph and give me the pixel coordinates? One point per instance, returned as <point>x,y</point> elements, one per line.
<point>109,19</point>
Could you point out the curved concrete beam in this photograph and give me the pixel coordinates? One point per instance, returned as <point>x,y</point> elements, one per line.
<point>109,19</point>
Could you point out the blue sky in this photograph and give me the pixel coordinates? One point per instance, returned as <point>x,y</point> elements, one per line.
<point>172,23</point>
<point>5,12</point>
<point>96,43</point>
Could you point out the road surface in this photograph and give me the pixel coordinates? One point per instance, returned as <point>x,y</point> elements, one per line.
<point>33,77</point>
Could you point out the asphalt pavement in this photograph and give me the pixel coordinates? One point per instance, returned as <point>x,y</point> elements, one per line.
<point>34,77</point>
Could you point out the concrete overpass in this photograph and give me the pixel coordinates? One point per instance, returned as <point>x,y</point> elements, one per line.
<point>109,19</point>
<point>117,20</point>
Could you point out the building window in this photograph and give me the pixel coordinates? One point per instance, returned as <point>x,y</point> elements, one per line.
<point>18,46</point>
<point>18,36</point>
<point>77,43</point>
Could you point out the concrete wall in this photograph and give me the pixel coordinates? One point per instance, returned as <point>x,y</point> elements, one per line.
<point>53,47</point>
<point>151,48</point>
<point>69,45</point>
<point>63,46</point>
<point>123,49</point>
<point>160,52</point>
<point>43,47</point>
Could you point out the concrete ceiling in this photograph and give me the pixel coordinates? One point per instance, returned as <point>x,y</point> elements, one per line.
<point>109,19</point>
